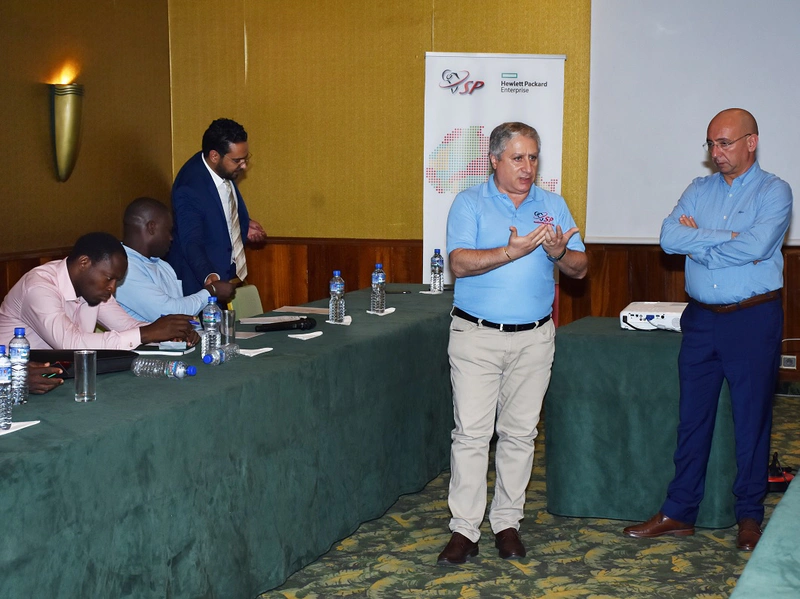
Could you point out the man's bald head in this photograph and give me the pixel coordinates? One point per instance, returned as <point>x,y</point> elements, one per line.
<point>142,210</point>
<point>737,117</point>
<point>147,226</point>
<point>732,139</point>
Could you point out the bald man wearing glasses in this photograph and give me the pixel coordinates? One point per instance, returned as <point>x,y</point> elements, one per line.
<point>211,222</point>
<point>730,226</point>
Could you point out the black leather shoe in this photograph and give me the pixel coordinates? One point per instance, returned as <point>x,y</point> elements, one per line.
<point>457,551</point>
<point>509,544</point>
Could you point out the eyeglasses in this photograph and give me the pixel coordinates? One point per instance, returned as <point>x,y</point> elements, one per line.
<point>238,161</point>
<point>723,144</point>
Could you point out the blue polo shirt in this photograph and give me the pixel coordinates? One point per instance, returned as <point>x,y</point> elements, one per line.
<point>518,292</point>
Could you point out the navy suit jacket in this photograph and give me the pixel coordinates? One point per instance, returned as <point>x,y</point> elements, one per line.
<point>201,242</point>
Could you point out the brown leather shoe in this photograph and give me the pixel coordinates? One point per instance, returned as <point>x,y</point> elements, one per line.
<point>457,551</point>
<point>749,534</point>
<point>657,526</point>
<point>509,544</point>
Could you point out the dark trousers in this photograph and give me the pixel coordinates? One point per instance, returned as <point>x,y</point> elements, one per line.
<point>742,347</point>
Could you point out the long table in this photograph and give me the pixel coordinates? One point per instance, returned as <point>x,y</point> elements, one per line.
<point>611,416</point>
<point>224,484</point>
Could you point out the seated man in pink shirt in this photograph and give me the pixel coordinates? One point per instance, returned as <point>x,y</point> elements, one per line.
<point>61,303</point>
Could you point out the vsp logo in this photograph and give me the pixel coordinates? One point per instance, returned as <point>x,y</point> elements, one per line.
<point>542,218</point>
<point>452,80</point>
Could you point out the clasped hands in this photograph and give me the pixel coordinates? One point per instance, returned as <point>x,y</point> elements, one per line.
<point>552,239</point>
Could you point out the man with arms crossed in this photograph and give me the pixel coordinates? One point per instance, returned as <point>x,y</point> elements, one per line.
<point>150,287</point>
<point>61,302</point>
<point>211,220</point>
<point>730,225</point>
<point>501,336</point>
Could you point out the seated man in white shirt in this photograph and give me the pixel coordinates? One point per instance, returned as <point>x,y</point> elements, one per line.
<point>151,287</point>
<point>60,303</point>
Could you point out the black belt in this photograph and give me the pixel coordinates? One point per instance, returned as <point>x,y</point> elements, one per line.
<point>506,328</point>
<point>747,303</point>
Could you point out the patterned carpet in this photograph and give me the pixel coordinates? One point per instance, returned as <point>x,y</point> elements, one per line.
<point>394,557</point>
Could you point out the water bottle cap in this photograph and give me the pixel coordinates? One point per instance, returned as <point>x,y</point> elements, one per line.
<point>191,370</point>
<point>337,273</point>
<point>212,299</point>
<point>207,359</point>
<point>2,350</point>
<point>437,251</point>
<point>19,332</point>
<point>379,265</point>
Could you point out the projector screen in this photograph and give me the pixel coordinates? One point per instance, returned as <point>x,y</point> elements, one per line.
<point>660,71</point>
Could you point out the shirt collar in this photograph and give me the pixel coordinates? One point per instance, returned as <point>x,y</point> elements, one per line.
<point>748,175</point>
<point>493,192</point>
<point>132,253</point>
<point>65,283</point>
<point>218,181</point>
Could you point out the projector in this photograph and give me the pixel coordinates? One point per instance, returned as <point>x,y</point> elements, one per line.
<point>650,316</point>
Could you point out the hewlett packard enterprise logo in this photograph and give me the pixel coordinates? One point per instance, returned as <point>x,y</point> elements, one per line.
<point>510,83</point>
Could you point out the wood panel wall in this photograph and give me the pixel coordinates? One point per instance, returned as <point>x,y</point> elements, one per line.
<point>13,266</point>
<point>291,271</point>
<point>621,274</point>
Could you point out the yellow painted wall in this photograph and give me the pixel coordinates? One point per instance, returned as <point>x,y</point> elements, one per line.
<point>121,49</point>
<point>331,93</point>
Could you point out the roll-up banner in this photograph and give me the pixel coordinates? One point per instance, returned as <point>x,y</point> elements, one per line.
<point>468,95</point>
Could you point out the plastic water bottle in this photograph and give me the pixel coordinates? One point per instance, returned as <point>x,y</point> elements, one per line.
<point>5,389</point>
<point>224,353</point>
<point>156,368</point>
<point>19,352</point>
<point>212,316</point>
<point>336,305</point>
<point>377,301</point>
<point>437,271</point>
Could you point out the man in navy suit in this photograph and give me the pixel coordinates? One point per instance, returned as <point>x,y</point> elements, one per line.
<point>211,223</point>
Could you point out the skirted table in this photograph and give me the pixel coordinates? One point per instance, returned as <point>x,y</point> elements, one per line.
<point>611,416</point>
<point>224,484</point>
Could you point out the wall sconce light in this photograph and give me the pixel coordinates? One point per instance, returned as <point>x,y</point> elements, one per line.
<point>66,102</point>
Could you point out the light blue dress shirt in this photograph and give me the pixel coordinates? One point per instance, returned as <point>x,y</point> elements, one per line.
<point>518,292</point>
<point>151,288</point>
<point>721,269</point>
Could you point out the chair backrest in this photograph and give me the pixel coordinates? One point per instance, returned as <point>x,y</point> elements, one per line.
<point>247,302</point>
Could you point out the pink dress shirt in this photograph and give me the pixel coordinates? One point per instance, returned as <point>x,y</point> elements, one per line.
<point>44,302</point>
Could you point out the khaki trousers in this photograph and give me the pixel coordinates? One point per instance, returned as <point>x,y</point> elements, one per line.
<point>499,380</point>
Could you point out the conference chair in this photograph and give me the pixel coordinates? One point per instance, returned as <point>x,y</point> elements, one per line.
<point>247,302</point>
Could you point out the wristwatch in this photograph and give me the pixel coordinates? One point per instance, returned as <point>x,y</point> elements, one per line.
<point>554,260</point>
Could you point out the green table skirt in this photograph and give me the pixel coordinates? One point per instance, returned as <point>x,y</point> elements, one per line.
<point>224,484</point>
<point>773,571</point>
<point>612,414</point>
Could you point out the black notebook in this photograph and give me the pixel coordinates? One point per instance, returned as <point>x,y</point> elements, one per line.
<point>108,360</point>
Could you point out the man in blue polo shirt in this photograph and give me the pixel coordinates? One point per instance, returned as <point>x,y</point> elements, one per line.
<point>503,238</point>
<point>730,225</point>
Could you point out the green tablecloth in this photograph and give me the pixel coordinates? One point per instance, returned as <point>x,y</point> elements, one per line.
<point>773,571</point>
<point>224,484</point>
<point>611,414</point>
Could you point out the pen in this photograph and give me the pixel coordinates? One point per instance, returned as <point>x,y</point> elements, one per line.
<point>191,322</point>
<point>398,292</point>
